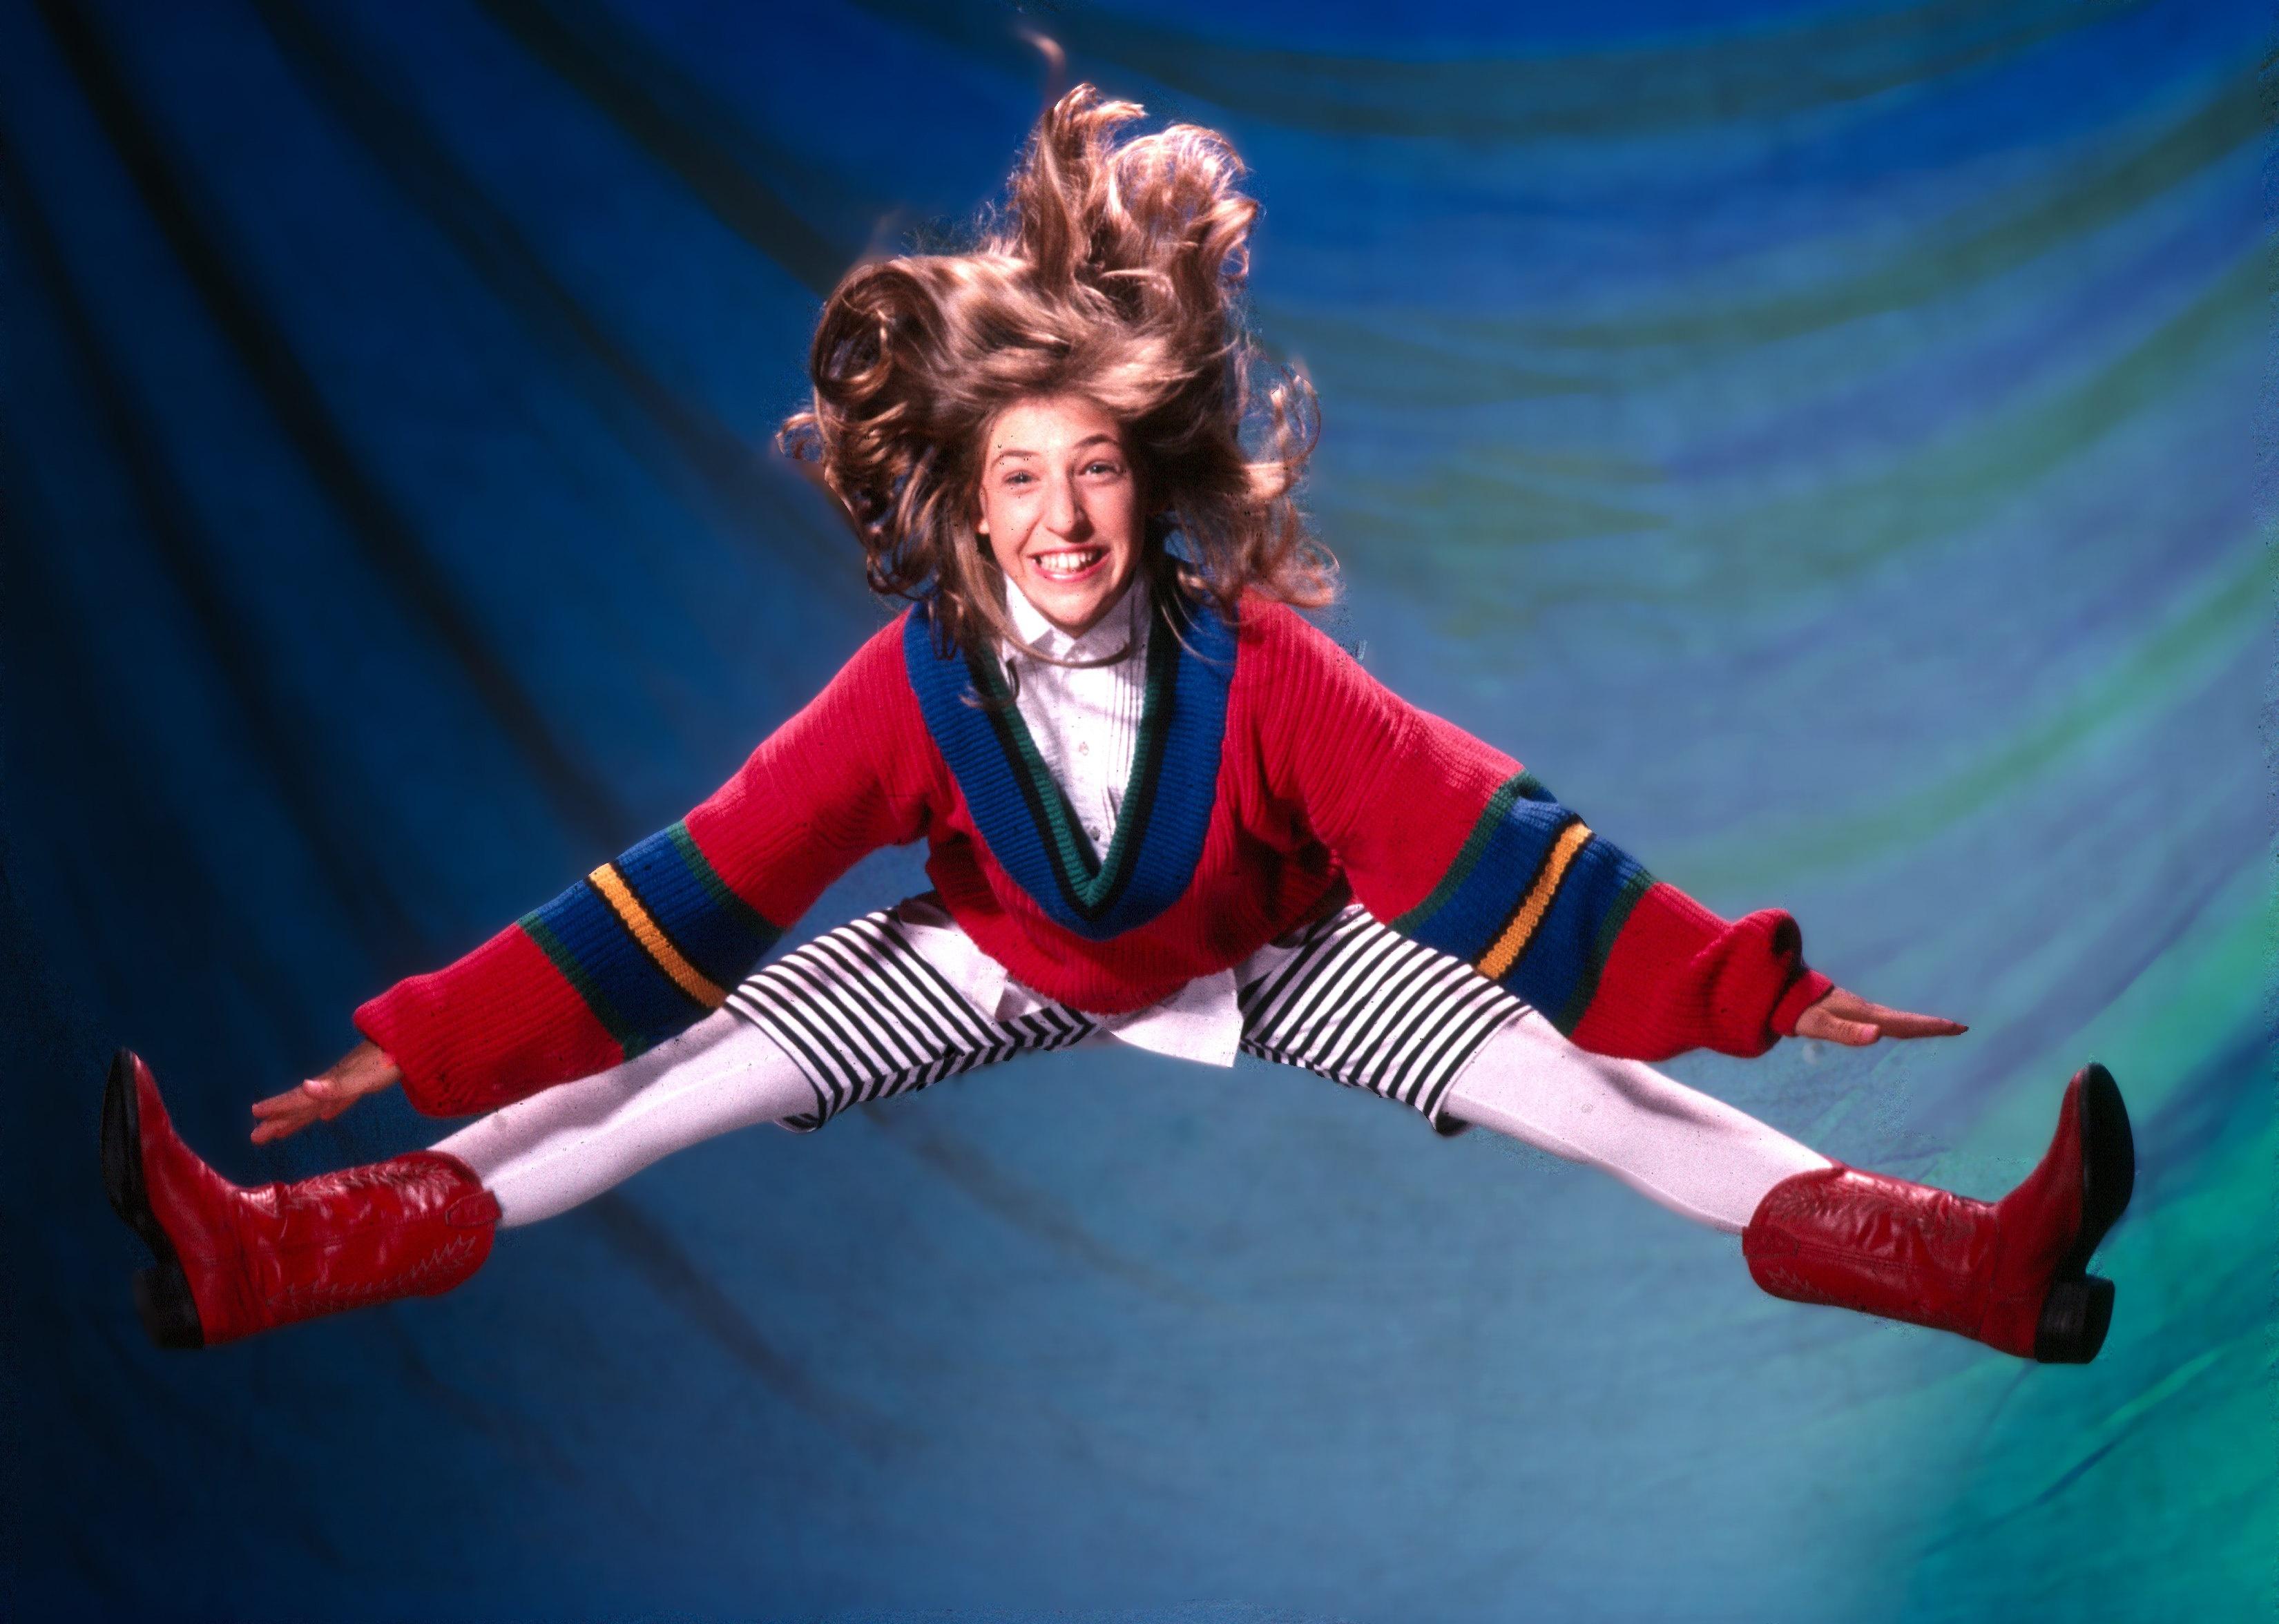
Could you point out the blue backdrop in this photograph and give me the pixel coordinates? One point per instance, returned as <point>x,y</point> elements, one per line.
<point>1820,439</point>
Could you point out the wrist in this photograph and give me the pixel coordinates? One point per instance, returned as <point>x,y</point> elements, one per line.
<point>1805,990</point>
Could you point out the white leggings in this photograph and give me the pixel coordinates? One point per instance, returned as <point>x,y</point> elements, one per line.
<point>1695,1155</point>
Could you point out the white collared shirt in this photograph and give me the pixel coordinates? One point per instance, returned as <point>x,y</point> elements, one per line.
<point>1085,719</point>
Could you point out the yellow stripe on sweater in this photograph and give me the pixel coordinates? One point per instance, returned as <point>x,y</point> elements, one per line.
<point>1513,942</point>
<point>612,886</point>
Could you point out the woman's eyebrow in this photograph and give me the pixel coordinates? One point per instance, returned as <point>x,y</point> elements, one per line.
<point>1090,440</point>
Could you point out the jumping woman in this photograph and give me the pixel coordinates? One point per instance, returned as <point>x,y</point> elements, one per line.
<point>1160,809</point>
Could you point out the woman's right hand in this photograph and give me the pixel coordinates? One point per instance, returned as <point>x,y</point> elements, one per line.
<point>364,1070</point>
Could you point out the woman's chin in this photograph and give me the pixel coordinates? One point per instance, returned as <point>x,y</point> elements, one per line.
<point>1076,618</point>
<point>1071,606</point>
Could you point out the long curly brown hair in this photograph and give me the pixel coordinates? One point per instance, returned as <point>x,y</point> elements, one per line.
<point>1113,271</point>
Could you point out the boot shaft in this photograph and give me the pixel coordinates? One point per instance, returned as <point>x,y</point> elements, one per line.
<point>415,1226</point>
<point>1876,1246</point>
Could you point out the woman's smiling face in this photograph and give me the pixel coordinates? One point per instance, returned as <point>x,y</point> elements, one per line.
<point>1061,508</point>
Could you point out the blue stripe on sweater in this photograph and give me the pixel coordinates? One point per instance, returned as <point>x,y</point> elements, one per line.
<point>633,997</point>
<point>715,931</point>
<point>1464,917</point>
<point>1466,923</point>
<point>1559,972</point>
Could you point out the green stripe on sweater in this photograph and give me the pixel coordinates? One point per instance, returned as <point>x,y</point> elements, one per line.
<point>1520,785</point>
<point>621,1033</point>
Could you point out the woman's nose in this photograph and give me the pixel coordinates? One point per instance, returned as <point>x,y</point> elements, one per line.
<point>1064,513</point>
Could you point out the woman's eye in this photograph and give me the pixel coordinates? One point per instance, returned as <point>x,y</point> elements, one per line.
<point>1109,468</point>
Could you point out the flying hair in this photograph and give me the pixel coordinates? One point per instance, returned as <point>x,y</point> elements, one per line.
<point>1113,271</point>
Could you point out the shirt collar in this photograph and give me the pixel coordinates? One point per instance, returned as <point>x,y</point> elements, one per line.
<point>1124,623</point>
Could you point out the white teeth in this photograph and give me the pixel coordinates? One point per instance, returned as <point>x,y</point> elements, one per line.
<point>1068,564</point>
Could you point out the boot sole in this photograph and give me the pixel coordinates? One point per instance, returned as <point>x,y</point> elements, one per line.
<point>2079,1310</point>
<point>162,1293</point>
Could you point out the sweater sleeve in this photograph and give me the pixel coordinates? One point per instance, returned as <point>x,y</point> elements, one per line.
<point>1451,843</point>
<point>644,946</point>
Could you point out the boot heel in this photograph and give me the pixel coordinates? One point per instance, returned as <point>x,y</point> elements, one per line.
<point>2075,1318</point>
<point>169,1313</point>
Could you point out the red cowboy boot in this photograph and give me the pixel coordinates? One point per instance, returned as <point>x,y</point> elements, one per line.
<point>233,1262</point>
<point>2011,1274</point>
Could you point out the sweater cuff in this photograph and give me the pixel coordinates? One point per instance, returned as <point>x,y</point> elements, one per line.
<point>498,1024</point>
<point>1808,990</point>
<point>386,1021</point>
<point>372,1019</point>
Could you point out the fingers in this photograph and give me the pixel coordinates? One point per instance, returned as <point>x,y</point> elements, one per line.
<point>1845,1017</point>
<point>1896,1024</point>
<point>365,1069</point>
<point>1891,1023</point>
<point>300,1100</point>
<point>275,1128</point>
<point>300,1097</point>
<point>281,1116</point>
<point>1823,1020</point>
<point>273,1125</point>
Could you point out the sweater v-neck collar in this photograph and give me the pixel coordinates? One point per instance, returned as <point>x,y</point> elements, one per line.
<point>1024,816</point>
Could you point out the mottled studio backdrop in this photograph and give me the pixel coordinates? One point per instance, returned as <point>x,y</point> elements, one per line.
<point>1822,439</point>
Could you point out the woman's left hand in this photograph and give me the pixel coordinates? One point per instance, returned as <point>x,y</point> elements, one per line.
<point>365,1069</point>
<point>1846,1017</point>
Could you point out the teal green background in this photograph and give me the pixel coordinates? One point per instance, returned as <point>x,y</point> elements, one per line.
<point>1827,442</point>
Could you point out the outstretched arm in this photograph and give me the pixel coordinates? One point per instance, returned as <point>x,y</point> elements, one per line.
<point>648,943</point>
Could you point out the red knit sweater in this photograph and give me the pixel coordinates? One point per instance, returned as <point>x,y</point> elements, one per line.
<point>1274,769</point>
